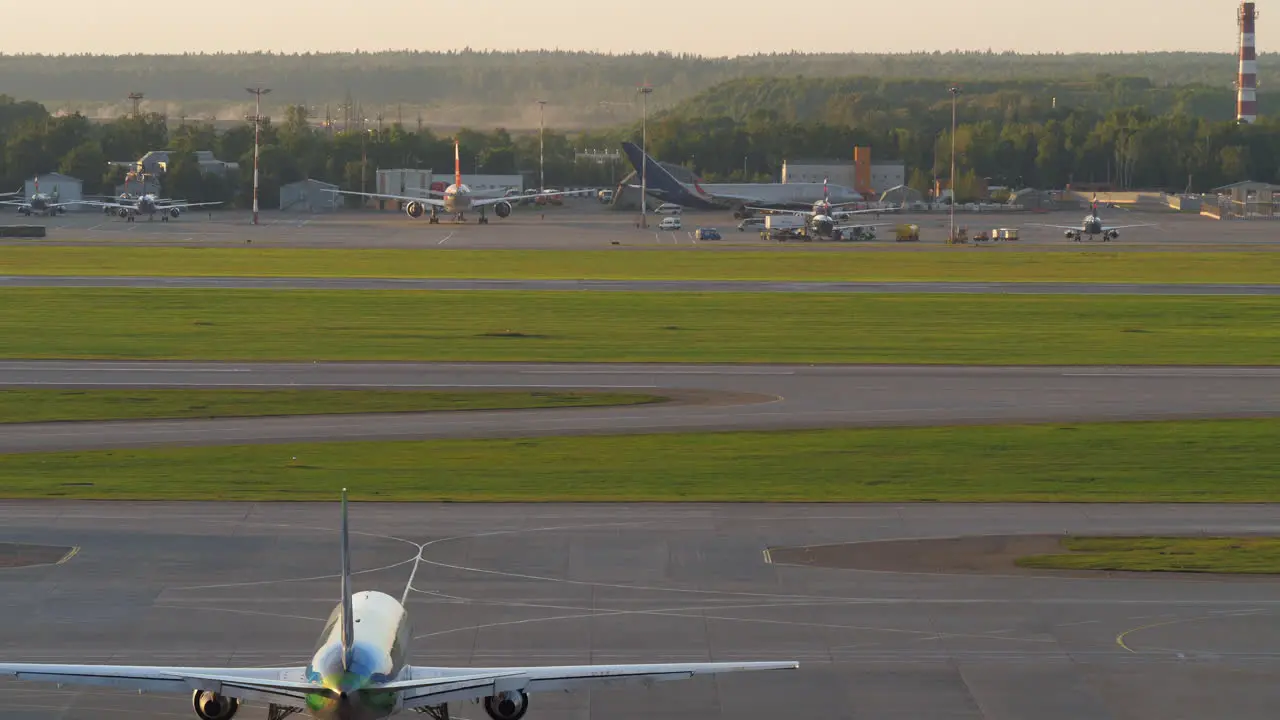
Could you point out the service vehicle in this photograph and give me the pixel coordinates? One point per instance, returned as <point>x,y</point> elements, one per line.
<point>670,223</point>
<point>706,234</point>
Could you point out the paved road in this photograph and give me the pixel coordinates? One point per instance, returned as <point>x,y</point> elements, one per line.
<point>245,584</point>
<point>276,283</point>
<point>739,397</point>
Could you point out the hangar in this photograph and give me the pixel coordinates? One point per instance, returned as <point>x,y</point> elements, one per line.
<point>67,188</point>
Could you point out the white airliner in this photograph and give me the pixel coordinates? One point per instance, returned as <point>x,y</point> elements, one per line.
<point>360,672</point>
<point>1092,226</point>
<point>130,207</point>
<point>39,203</point>
<point>457,199</point>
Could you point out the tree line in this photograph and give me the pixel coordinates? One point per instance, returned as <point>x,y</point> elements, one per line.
<point>583,89</point>
<point>1018,142</point>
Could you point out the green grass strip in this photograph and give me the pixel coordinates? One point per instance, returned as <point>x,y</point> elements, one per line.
<point>31,405</point>
<point>938,264</point>
<point>616,327</point>
<point>1192,461</point>
<point>1234,555</point>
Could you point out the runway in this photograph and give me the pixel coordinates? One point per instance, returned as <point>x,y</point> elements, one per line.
<point>702,286</point>
<point>247,584</point>
<point>733,397</point>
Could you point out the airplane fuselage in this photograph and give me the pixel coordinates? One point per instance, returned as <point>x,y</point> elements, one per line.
<point>1093,225</point>
<point>457,199</point>
<point>379,655</point>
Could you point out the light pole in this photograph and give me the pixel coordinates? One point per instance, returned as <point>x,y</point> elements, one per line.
<point>645,91</point>
<point>542,126</point>
<point>258,92</point>
<point>364,153</point>
<point>955,92</point>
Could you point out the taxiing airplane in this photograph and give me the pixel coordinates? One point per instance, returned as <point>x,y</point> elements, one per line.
<point>1092,226</point>
<point>456,200</point>
<point>825,215</point>
<point>130,207</point>
<point>360,671</point>
<point>39,203</point>
<point>740,197</point>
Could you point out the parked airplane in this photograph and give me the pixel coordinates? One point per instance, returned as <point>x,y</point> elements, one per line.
<point>130,207</point>
<point>359,672</point>
<point>1093,226</point>
<point>662,184</point>
<point>457,199</point>
<point>824,215</point>
<point>39,203</point>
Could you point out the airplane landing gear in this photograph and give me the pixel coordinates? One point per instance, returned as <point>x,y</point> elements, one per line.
<point>434,219</point>
<point>437,712</point>
<point>280,712</point>
<point>484,220</point>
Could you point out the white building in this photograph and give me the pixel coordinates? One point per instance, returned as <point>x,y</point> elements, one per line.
<point>65,187</point>
<point>884,175</point>
<point>404,182</point>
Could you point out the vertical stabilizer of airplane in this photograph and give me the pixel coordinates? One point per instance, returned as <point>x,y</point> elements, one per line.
<point>457,165</point>
<point>348,614</point>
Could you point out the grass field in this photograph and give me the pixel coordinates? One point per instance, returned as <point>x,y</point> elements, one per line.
<point>1193,461</point>
<point>956,264</point>
<point>1239,555</point>
<point>569,326</point>
<point>30,405</point>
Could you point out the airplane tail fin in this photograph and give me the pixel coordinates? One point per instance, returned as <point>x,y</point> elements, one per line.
<point>348,614</point>
<point>457,164</point>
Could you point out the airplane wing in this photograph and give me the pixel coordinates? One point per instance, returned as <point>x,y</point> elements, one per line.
<point>483,202</point>
<point>1056,227</point>
<point>15,203</point>
<point>439,685</point>
<point>185,205</point>
<point>862,225</point>
<point>283,686</point>
<point>384,196</point>
<point>1122,227</point>
<point>779,211</point>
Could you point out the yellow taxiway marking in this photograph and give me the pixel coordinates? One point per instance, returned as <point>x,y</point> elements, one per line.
<point>70,554</point>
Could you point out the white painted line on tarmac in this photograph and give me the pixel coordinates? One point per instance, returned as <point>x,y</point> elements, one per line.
<point>445,239</point>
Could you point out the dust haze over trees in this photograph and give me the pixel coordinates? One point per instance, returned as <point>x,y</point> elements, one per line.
<point>1008,133</point>
<point>492,89</point>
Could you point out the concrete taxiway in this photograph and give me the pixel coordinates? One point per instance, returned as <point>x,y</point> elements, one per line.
<point>734,397</point>
<point>948,288</point>
<point>585,224</point>
<point>251,585</point>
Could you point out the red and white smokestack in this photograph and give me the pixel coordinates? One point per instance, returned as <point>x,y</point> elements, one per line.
<point>1247,85</point>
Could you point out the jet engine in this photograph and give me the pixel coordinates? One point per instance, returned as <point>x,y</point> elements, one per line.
<point>212,706</point>
<point>175,212</point>
<point>1072,235</point>
<point>414,210</point>
<point>1111,235</point>
<point>510,705</point>
<point>502,209</point>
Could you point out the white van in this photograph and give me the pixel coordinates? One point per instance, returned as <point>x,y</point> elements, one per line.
<point>669,209</point>
<point>669,223</point>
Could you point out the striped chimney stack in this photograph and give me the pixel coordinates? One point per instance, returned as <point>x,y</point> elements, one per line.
<point>1247,85</point>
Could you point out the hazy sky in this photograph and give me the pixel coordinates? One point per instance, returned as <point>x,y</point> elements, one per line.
<point>706,27</point>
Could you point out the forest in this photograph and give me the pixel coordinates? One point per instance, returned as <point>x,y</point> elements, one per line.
<point>583,90</point>
<point>1004,137</point>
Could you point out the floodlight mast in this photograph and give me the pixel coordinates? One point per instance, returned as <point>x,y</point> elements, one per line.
<point>645,90</point>
<point>258,92</point>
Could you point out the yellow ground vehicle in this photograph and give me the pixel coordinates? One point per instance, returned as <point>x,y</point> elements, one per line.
<point>907,233</point>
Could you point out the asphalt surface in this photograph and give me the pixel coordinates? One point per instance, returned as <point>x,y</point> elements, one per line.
<point>321,283</point>
<point>244,585</point>
<point>585,224</point>
<point>736,397</point>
